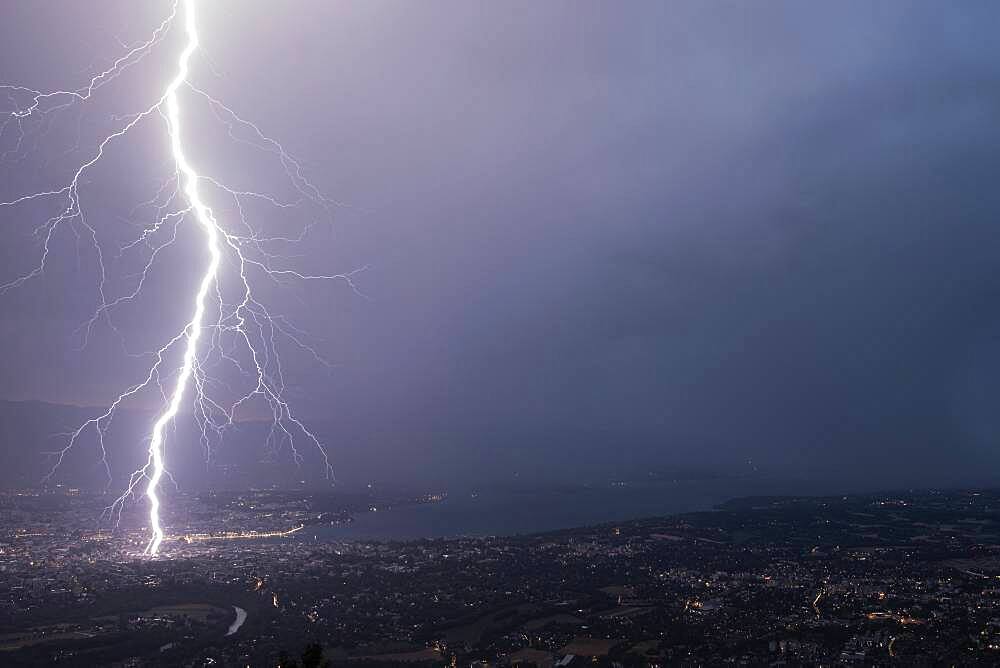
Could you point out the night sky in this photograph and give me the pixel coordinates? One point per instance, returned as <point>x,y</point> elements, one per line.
<point>714,236</point>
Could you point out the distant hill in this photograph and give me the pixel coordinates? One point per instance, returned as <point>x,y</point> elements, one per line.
<point>32,433</point>
<point>416,451</point>
<point>28,430</point>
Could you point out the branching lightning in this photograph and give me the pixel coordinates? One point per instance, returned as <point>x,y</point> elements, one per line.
<point>227,327</point>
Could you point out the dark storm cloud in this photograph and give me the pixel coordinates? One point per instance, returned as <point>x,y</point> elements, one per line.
<point>650,234</point>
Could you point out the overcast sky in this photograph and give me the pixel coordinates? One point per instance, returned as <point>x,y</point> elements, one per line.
<point>673,234</point>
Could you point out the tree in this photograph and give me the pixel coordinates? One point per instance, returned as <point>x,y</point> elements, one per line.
<point>285,662</point>
<point>312,657</point>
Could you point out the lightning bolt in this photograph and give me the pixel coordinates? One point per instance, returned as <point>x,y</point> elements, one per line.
<point>192,331</point>
<point>243,326</point>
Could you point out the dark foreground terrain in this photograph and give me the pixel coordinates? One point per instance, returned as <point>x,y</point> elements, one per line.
<point>895,579</point>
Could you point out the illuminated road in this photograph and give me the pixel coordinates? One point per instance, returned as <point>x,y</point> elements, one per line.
<point>239,535</point>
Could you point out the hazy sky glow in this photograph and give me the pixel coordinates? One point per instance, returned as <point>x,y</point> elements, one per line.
<point>684,234</point>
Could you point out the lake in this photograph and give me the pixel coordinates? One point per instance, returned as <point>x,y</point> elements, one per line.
<point>504,512</point>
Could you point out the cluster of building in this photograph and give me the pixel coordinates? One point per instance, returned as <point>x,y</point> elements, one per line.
<point>905,579</point>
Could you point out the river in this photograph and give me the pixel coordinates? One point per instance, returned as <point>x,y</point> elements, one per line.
<point>241,616</point>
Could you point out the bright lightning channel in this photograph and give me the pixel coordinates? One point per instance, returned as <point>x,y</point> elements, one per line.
<point>193,329</point>
<point>244,321</point>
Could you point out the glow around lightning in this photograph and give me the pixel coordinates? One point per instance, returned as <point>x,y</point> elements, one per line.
<point>244,327</point>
